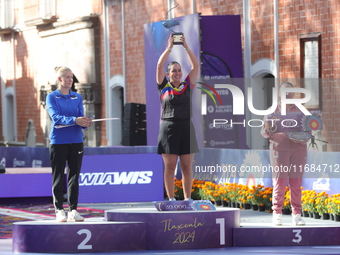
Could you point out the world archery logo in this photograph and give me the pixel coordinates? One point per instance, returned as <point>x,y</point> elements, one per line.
<point>213,95</point>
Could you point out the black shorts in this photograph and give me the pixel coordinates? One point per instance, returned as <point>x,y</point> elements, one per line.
<point>177,137</point>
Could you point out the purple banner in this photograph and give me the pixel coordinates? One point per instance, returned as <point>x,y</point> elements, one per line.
<point>222,64</point>
<point>26,185</point>
<point>121,178</point>
<point>24,156</point>
<point>156,40</point>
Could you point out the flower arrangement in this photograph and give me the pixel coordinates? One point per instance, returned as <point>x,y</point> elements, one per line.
<point>206,190</point>
<point>218,193</point>
<point>286,201</point>
<point>178,189</point>
<point>311,201</point>
<point>251,198</point>
<point>321,201</point>
<point>264,196</point>
<point>232,190</point>
<point>225,195</point>
<point>195,194</point>
<point>246,194</point>
<point>308,200</point>
<point>242,194</point>
<point>334,204</point>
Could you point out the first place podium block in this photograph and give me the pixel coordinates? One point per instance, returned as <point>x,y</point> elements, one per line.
<point>195,229</point>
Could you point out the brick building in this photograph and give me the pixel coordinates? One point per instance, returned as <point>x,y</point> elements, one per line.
<point>103,43</point>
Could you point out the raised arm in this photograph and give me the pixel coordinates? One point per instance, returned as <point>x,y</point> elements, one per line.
<point>162,59</point>
<point>193,60</point>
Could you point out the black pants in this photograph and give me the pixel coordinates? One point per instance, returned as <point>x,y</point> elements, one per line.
<point>59,155</point>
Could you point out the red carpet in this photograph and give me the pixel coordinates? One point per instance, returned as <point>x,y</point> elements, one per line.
<point>7,221</point>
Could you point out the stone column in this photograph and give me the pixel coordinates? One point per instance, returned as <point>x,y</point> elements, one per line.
<point>86,90</point>
<point>44,91</point>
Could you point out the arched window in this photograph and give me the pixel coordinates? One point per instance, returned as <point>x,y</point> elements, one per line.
<point>115,110</point>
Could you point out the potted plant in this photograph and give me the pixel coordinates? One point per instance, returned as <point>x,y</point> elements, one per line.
<point>264,198</point>
<point>286,208</point>
<point>321,201</point>
<point>334,205</point>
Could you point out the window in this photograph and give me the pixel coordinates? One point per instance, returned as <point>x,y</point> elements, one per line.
<point>39,12</point>
<point>47,9</point>
<point>7,14</point>
<point>310,61</point>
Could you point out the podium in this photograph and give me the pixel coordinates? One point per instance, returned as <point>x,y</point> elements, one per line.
<point>146,228</point>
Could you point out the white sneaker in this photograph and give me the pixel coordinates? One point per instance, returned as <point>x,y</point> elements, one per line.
<point>74,216</point>
<point>277,219</point>
<point>172,199</point>
<point>188,199</point>
<point>297,220</point>
<point>60,216</point>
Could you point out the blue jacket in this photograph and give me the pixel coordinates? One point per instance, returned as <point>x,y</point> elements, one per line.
<point>63,110</point>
